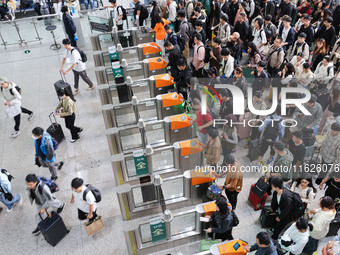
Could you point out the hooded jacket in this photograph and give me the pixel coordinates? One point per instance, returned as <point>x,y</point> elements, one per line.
<point>320,222</point>
<point>285,164</point>
<point>43,198</point>
<point>45,150</point>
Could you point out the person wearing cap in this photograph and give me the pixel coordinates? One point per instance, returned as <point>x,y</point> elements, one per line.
<point>87,208</point>
<point>307,28</point>
<point>12,98</point>
<point>306,76</point>
<point>299,45</point>
<point>261,77</point>
<point>224,30</point>
<point>68,109</point>
<point>324,72</point>
<point>327,32</point>
<point>297,61</point>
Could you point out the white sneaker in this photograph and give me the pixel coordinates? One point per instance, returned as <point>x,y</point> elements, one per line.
<point>31,116</point>
<point>8,210</point>
<point>76,92</point>
<point>90,88</point>
<point>15,134</point>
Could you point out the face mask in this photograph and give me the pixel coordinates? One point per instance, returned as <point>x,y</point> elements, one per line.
<point>61,98</point>
<point>34,137</point>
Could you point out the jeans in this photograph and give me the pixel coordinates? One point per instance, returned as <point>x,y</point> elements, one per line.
<point>232,197</point>
<point>9,204</point>
<point>87,2</point>
<point>69,123</point>
<point>17,122</point>
<point>203,138</point>
<point>84,76</point>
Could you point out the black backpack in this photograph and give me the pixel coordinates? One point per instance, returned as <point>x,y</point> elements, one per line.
<point>297,209</point>
<point>272,131</point>
<point>8,174</point>
<point>308,136</point>
<point>181,41</point>
<point>11,90</point>
<point>96,193</point>
<point>123,11</point>
<point>82,54</point>
<point>144,13</point>
<point>236,221</point>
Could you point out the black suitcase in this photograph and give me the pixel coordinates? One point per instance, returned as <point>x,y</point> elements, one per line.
<point>254,149</point>
<point>261,187</point>
<point>322,97</point>
<point>267,218</point>
<point>53,228</point>
<point>55,130</point>
<point>62,84</point>
<point>334,225</point>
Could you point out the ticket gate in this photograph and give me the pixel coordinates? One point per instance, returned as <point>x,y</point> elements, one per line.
<point>148,109</point>
<point>142,236</point>
<point>166,161</point>
<point>155,133</point>
<point>131,54</point>
<point>143,89</point>
<point>127,38</point>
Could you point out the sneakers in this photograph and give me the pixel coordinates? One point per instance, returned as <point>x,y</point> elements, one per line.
<point>54,178</point>
<point>60,209</point>
<point>36,232</point>
<point>60,165</point>
<point>15,134</point>
<point>73,140</point>
<point>76,92</point>
<point>270,160</point>
<point>90,88</point>
<point>31,116</point>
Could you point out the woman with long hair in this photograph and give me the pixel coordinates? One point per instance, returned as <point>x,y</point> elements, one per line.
<point>333,109</point>
<point>160,31</point>
<point>254,55</point>
<point>241,9</point>
<point>318,53</point>
<point>216,13</point>
<point>305,188</point>
<point>317,11</point>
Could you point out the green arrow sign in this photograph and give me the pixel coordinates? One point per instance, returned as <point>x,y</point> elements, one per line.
<point>157,228</point>
<point>141,163</point>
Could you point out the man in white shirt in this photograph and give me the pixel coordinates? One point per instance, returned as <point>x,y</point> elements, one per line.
<point>172,11</point>
<point>78,66</point>
<point>117,14</point>
<point>85,200</point>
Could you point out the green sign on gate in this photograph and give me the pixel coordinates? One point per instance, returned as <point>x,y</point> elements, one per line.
<point>157,227</point>
<point>141,162</point>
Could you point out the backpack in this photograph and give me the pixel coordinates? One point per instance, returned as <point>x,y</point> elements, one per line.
<point>231,28</point>
<point>181,41</point>
<point>95,192</point>
<point>268,31</point>
<point>236,221</point>
<point>277,247</point>
<point>11,90</point>
<point>54,143</point>
<point>298,208</point>
<point>207,53</point>
<point>8,174</point>
<point>123,11</point>
<point>82,54</point>
<point>49,182</point>
<point>272,131</point>
<point>191,30</point>
<point>144,13</point>
<point>308,137</point>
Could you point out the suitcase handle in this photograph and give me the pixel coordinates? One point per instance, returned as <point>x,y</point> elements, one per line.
<point>49,116</point>
<point>63,77</point>
<point>48,215</point>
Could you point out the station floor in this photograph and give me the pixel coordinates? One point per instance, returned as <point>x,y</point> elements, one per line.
<point>88,158</point>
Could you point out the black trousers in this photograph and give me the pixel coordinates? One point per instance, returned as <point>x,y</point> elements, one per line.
<point>254,133</point>
<point>69,123</point>
<point>232,197</point>
<point>278,227</point>
<point>3,12</point>
<point>24,110</point>
<point>83,215</point>
<point>17,122</point>
<point>141,22</point>
<point>225,236</point>
<point>264,147</point>
<point>73,42</point>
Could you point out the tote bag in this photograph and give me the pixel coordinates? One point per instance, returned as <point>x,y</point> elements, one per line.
<point>13,110</point>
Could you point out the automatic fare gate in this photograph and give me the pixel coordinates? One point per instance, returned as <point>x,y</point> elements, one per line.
<point>130,54</point>
<point>148,109</point>
<point>155,133</point>
<point>143,89</point>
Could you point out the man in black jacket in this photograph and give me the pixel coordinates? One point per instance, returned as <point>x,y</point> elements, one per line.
<point>282,203</point>
<point>261,77</point>
<point>233,8</point>
<point>307,29</point>
<point>285,8</point>
<point>175,54</point>
<point>327,32</point>
<point>70,28</point>
<point>268,8</point>
<point>242,28</point>
<point>227,103</point>
<point>236,47</point>
<point>182,77</point>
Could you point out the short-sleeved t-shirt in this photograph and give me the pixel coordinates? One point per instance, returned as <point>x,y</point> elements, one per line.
<point>117,11</point>
<point>297,151</point>
<point>81,203</point>
<point>75,59</point>
<point>160,31</point>
<point>138,7</point>
<point>200,122</point>
<point>199,54</point>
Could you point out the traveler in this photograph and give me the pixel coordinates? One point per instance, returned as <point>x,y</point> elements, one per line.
<point>242,28</point>
<point>171,35</point>
<point>240,81</point>
<point>160,31</point>
<point>258,104</point>
<point>140,13</point>
<point>215,54</point>
<point>307,29</point>
<point>68,109</point>
<point>282,204</point>
<point>182,78</point>
<point>327,32</point>
<point>221,221</point>
<point>261,77</point>
<point>318,53</point>
<point>229,137</point>
<point>70,28</point>
<point>305,188</point>
<point>286,32</point>
<point>264,245</point>
<point>44,152</point>
<point>259,34</point>
<point>41,195</point>
<point>214,148</point>
<point>184,30</point>
<point>275,57</point>
<point>306,76</point>
<point>324,72</point>
<point>227,103</point>
<point>298,149</point>
<point>78,66</point>
<point>283,161</point>
<point>320,221</point>
<point>204,122</point>
<point>300,45</point>
<point>117,14</point>
<point>155,10</point>
<point>84,199</point>
<point>228,63</point>
<point>333,186</point>
<point>296,236</point>
<point>235,46</point>
<point>197,63</point>
<point>12,99</point>
<point>175,54</point>
<point>254,55</point>
<point>6,196</point>
<point>224,30</point>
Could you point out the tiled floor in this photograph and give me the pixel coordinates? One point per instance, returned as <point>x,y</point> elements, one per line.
<point>88,158</point>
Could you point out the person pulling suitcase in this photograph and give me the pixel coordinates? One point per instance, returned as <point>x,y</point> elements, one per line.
<point>44,151</point>
<point>42,196</point>
<point>68,109</point>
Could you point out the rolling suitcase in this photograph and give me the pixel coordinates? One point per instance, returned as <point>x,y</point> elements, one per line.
<point>334,225</point>
<point>267,218</point>
<point>256,201</point>
<point>254,149</point>
<point>53,228</point>
<point>55,129</point>
<point>62,84</point>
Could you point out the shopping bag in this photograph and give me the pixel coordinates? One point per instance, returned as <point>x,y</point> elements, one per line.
<point>13,110</point>
<point>94,226</point>
<point>206,244</point>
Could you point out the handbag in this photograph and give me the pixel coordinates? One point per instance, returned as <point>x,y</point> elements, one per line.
<point>13,110</point>
<point>206,244</point>
<point>93,227</point>
<point>8,196</point>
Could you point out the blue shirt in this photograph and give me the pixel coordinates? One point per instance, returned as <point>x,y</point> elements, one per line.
<point>268,121</point>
